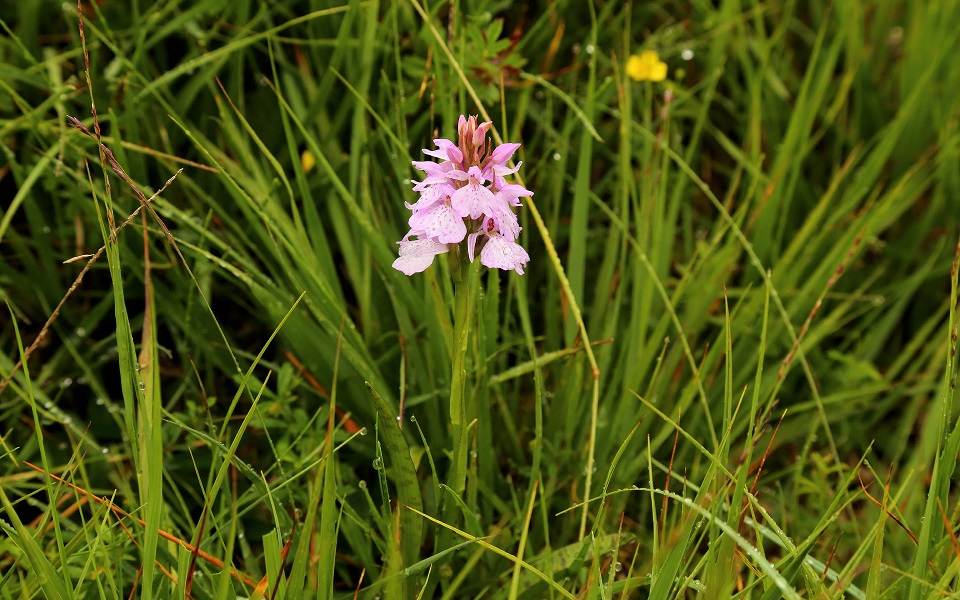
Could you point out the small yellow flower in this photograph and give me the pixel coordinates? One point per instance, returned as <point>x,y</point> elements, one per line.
<point>646,67</point>
<point>307,161</point>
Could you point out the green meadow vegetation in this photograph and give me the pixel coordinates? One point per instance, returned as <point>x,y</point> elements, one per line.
<point>729,370</point>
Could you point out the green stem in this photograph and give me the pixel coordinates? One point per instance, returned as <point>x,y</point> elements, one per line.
<point>465,280</point>
<point>465,283</point>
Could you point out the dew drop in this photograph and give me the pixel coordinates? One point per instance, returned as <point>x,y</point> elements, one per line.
<point>363,431</point>
<point>142,387</point>
<point>137,366</point>
<point>100,401</point>
<point>104,450</point>
<point>62,445</point>
<point>687,54</point>
<point>398,419</point>
<point>67,382</point>
<point>48,405</point>
<point>556,156</point>
<point>240,536</point>
<point>377,464</point>
<point>589,49</point>
<point>80,332</point>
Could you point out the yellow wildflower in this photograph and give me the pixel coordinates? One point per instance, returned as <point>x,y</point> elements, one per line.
<point>307,161</point>
<point>646,67</point>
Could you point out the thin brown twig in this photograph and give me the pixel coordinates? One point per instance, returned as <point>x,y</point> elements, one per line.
<point>896,520</point>
<point>76,283</point>
<point>763,459</point>
<point>833,552</point>
<point>946,521</point>
<point>666,484</point>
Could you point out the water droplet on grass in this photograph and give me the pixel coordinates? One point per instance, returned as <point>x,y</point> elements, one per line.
<point>687,54</point>
<point>363,431</point>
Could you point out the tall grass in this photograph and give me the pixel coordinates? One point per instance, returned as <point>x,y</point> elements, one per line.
<point>729,371</point>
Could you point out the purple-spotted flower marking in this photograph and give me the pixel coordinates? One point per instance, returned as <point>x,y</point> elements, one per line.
<point>465,192</point>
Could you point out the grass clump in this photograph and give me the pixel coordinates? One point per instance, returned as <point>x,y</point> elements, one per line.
<point>729,370</point>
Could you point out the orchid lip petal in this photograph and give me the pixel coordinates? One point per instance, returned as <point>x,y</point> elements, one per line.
<point>474,200</point>
<point>441,223</point>
<point>417,255</point>
<point>500,253</point>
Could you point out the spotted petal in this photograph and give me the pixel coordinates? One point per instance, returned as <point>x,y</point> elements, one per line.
<point>501,253</point>
<point>430,196</point>
<point>441,223</point>
<point>417,255</point>
<point>473,200</point>
<point>505,221</point>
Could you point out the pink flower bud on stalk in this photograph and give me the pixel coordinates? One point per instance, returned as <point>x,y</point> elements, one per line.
<point>465,191</point>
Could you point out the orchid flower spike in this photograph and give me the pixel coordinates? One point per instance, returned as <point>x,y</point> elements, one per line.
<point>465,191</point>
